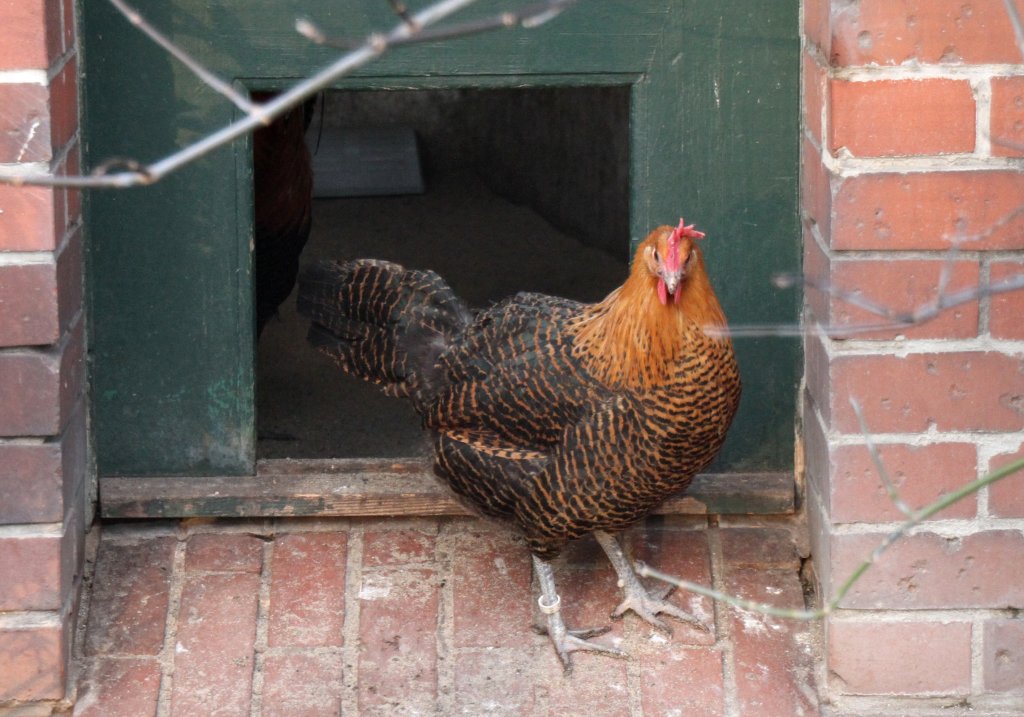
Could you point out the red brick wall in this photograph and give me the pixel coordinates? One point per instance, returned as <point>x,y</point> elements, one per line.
<point>42,368</point>
<point>913,123</point>
<point>907,104</point>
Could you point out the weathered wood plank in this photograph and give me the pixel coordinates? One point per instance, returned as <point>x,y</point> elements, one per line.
<point>371,487</point>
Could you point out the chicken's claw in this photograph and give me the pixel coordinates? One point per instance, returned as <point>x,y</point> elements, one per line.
<point>649,606</point>
<point>636,597</point>
<point>564,640</point>
<point>568,641</point>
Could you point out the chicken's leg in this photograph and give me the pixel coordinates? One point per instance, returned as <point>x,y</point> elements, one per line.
<point>636,597</point>
<point>565,641</point>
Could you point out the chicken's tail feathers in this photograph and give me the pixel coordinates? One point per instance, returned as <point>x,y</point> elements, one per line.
<point>382,322</point>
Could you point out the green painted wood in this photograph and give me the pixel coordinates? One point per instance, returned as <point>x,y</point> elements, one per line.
<point>713,133</point>
<point>170,340</point>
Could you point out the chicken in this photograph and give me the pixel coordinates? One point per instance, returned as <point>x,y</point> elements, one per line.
<point>560,417</point>
<point>283,203</point>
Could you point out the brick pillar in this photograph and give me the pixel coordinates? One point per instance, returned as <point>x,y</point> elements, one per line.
<point>906,105</point>
<point>42,371</point>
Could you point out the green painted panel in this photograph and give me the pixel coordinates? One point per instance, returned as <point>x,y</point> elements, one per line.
<point>714,136</point>
<point>170,332</point>
<point>725,109</point>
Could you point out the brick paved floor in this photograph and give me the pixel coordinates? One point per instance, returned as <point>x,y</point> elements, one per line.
<point>425,617</point>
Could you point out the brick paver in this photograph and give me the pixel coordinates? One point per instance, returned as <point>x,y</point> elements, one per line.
<point>428,617</point>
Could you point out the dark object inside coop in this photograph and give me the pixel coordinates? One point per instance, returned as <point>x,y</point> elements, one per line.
<point>523,190</point>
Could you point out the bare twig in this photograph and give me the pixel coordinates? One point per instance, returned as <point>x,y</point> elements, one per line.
<point>913,520</point>
<point>1015,21</point>
<point>876,458</point>
<point>921,314</point>
<point>402,12</point>
<point>893,319</point>
<point>529,17</point>
<point>132,173</point>
<point>1007,143</point>
<point>224,88</point>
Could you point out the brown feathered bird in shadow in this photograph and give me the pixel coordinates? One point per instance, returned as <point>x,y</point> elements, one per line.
<point>560,417</point>
<point>283,205</point>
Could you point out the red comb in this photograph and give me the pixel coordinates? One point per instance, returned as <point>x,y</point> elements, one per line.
<point>685,231</point>
<point>672,259</point>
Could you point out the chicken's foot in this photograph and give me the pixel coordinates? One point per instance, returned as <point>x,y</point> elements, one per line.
<point>565,641</point>
<point>636,597</point>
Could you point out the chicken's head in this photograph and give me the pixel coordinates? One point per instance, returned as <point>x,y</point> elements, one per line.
<point>669,256</point>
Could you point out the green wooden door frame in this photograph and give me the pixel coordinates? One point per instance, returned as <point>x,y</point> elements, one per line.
<point>713,135</point>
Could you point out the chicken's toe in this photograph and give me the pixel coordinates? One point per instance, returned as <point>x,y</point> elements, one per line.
<point>583,633</point>
<point>649,606</point>
<point>636,597</point>
<point>565,641</point>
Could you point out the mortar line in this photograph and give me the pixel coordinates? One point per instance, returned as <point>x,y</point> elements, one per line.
<point>1000,443</point>
<point>917,616</point>
<point>303,650</point>
<point>634,675</point>
<point>262,628</point>
<point>925,71</point>
<point>945,528</point>
<point>24,77</point>
<point>350,627</point>
<point>843,164</point>
<point>445,636</point>
<point>963,254</point>
<point>79,663</point>
<point>723,625</point>
<point>985,300</point>
<point>977,656</point>
<point>912,347</point>
<point>168,651</point>
<point>982,89</point>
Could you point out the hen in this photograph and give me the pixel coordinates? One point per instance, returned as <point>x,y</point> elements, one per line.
<point>563,418</point>
<point>283,203</point>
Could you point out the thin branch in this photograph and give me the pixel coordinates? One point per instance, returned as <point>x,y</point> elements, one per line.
<point>1015,21</point>
<point>224,88</point>
<point>528,17</point>
<point>402,12</point>
<point>1000,223</point>
<point>921,314</point>
<point>876,458</point>
<point>132,173</point>
<point>946,272</point>
<point>892,319</point>
<point>754,606</point>
<point>1007,143</point>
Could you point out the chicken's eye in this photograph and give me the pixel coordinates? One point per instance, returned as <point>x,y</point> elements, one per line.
<point>657,256</point>
<point>692,258</point>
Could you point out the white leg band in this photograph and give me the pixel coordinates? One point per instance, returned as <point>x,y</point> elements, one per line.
<point>549,609</point>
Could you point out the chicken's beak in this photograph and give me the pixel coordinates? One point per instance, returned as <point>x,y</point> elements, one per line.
<point>669,285</point>
<point>672,279</point>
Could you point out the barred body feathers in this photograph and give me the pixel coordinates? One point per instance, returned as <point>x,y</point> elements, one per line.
<point>562,417</point>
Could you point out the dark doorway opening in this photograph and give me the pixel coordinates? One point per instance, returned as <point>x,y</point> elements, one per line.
<point>525,190</point>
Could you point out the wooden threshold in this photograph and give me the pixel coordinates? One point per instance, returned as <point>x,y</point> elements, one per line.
<point>380,487</point>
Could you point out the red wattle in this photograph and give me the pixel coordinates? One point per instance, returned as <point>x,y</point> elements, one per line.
<point>678,293</point>
<point>662,292</point>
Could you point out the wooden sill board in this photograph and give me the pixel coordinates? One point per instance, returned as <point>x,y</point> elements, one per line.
<point>377,487</point>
